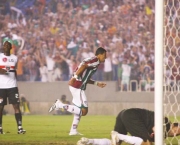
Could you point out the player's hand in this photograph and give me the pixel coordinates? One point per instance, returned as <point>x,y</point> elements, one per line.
<point>3,71</point>
<point>101,84</point>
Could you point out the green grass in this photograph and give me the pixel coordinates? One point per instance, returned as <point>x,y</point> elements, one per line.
<point>53,129</point>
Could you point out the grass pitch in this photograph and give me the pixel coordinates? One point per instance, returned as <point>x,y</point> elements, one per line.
<point>54,129</point>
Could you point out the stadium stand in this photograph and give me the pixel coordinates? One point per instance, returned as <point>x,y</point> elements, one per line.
<point>61,33</point>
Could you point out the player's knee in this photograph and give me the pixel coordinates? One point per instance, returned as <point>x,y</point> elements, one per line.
<point>84,111</point>
<point>16,108</point>
<point>1,108</point>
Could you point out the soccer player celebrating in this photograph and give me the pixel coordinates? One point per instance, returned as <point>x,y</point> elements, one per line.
<point>77,86</point>
<point>139,123</point>
<point>8,85</point>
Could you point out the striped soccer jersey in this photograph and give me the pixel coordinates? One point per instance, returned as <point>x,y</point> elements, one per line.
<point>82,80</point>
<point>8,63</point>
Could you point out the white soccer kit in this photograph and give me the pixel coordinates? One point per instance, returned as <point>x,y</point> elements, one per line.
<point>8,63</point>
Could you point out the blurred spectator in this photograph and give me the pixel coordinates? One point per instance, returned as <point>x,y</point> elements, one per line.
<point>72,47</point>
<point>98,75</point>
<point>64,69</point>
<point>72,63</point>
<point>175,76</point>
<point>20,68</point>
<point>135,74</point>
<point>115,63</point>
<point>6,10</point>
<point>119,76</point>
<point>57,67</point>
<point>108,68</point>
<point>147,70</point>
<point>43,72</point>
<point>24,105</point>
<point>50,66</point>
<point>62,111</point>
<point>32,66</point>
<point>126,71</point>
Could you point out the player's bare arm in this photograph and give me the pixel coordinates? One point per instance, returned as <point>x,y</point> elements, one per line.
<point>78,73</point>
<point>99,84</point>
<point>81,69</point>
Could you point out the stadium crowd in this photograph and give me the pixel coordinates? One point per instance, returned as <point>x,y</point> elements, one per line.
<point>51,37</point>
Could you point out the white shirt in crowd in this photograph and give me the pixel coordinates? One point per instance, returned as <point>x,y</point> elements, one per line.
<point>115,58</point>
<point>107,65</point>
<point>50,63</point>
<point>126,70</point>
<point>44,73</point>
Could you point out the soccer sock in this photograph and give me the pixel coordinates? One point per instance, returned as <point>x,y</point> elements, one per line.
<point>18,117</point>
<point>72,109</point>
<point>130,139</point>
<point>0,120</point>
<point>1,115</point>
<point>75,123</point>
<point>103,141</point>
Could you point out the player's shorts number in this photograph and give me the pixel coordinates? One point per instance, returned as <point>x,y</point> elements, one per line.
<point>16,95</point>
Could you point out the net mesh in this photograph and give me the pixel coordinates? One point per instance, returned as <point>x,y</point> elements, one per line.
<point>172,63</point>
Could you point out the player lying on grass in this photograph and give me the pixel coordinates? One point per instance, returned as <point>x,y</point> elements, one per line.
<point>139,123</point>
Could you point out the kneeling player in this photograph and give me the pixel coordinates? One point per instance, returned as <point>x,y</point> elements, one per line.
<point>139,123</point>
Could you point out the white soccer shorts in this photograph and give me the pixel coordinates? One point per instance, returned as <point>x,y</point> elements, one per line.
<point>79,97</point>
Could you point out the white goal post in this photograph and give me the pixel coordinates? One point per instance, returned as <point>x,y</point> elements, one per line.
<point>167,67</point>
<point>159,6</point>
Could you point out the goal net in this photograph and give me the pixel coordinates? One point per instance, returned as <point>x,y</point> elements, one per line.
<point>171,89</point>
